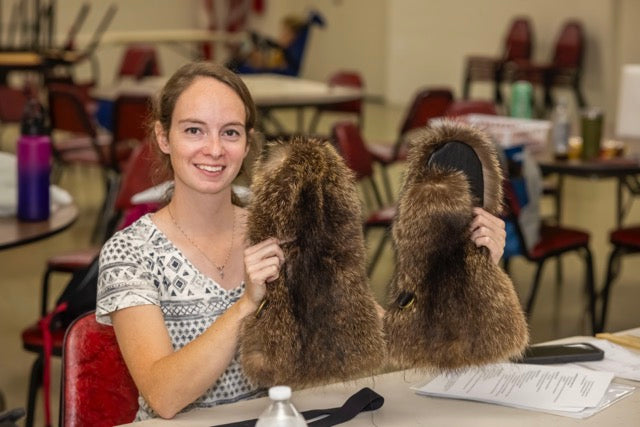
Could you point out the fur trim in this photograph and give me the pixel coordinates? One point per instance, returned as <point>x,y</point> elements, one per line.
<point>319,323</point>
<point>430,139</point>
<point>465,310</point>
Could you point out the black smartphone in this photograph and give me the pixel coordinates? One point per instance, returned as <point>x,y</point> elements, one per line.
<point>561,353</point>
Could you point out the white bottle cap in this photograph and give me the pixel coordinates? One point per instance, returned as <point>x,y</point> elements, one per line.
<point>280,392</point>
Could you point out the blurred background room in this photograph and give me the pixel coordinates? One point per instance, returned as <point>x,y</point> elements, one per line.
<point>389,50</point>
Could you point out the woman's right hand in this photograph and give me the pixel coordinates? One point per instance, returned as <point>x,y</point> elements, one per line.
<point>262,263</point>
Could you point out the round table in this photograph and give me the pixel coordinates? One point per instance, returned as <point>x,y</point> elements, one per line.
<point>15,233</point>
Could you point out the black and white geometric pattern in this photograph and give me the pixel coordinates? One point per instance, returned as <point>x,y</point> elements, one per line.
<point>138,266</point>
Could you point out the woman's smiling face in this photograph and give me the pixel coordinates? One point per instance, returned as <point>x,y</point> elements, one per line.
<point>207,140</point>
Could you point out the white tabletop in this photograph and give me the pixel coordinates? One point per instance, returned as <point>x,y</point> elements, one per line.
<point>403,407</point>
<point>267,90</point>
<point>170,36</point>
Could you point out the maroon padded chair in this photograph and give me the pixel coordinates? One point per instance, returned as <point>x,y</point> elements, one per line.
<point>625,241</point>
<point>12,103</point>
<point>81,142</point>
<point>553,242</point>
<point>350,144</point>
<point>342,78</point>
<point>97,389</point>
<point>130,116</point>
<point>427,104</point>
<point>466,106</point>
<point>139,61</point>
<point>518,46</point>
<point>136,178</point>
<point>564,69</point>
<point>68,113</point>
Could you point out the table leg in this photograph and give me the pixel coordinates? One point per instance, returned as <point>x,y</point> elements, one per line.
<point>300,121</point>
<point>558,197</point>
<point>619,203</point>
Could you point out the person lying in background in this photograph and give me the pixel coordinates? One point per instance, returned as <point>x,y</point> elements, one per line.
<point>262,52</point>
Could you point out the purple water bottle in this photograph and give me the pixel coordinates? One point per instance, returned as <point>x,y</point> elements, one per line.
<point>34,165</point>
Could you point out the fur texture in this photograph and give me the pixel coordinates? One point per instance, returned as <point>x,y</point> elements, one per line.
<point>460,309</point>
<point>319,323</point>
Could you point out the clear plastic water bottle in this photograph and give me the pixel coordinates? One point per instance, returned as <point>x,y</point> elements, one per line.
<point>280,413</point>
<point>34,164</point>
<point>561,129</point>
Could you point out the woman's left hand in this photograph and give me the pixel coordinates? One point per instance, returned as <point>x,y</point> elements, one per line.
<point>488,231</point>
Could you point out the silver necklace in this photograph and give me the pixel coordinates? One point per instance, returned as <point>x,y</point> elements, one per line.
<point>220,268</point>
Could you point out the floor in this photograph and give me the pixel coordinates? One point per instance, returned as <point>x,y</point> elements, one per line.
<point>558,312</point>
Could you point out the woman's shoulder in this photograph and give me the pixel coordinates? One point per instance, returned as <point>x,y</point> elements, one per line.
<point>134,240</point>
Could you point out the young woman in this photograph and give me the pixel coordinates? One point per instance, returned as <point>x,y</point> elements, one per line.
<point>176,284</point>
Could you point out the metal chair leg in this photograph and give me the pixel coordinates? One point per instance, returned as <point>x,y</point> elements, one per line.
<point>35,381</point>
<point>612,272</point>
<point>534,288</point>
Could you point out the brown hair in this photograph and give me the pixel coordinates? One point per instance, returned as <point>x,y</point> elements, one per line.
<point>164,105</point>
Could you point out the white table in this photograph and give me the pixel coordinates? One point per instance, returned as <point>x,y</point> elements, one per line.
<point>269,92</point>
<point>402,407</point>
<point>170,36</point>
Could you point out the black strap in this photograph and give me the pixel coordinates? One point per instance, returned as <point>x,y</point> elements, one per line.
<point>364,400</point>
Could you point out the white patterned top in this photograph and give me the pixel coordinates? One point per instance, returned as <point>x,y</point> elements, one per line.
<point>138,266</point>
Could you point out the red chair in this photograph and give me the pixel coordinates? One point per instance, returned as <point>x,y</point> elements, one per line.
<point>12,102</point>
<point>83,143</point>
<point>553,242</point>
<point>342,78</point>
<point>136,178</point>
<point>130,116</point>
<point>464,107</point>
<point>139,61</point>
<point>427,103</point>
<point>625,241</point>
<point>347,137</point>
<point>97,389</point>
<point>68,113</point>
<point>565,68</point>
<point>518,45</point>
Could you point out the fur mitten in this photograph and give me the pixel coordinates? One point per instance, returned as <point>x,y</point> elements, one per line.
<point>319,322</point>
<point>450,305</point>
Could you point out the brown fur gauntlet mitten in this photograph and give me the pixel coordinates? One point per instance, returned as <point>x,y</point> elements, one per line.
<point>451,306</point>
<point>319,322</point>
